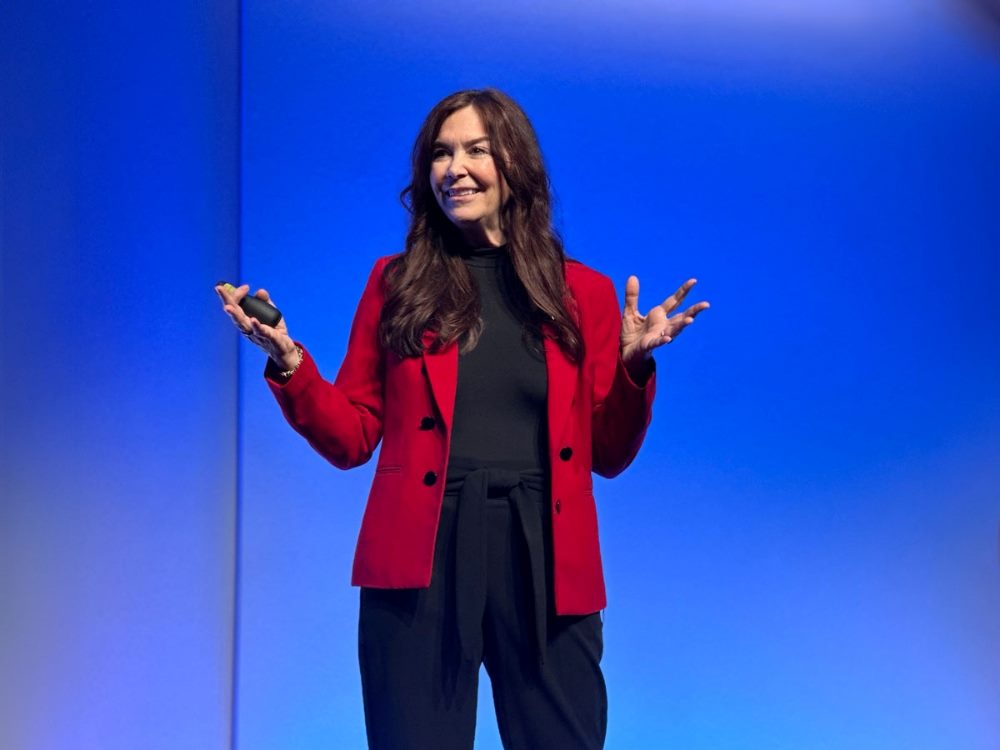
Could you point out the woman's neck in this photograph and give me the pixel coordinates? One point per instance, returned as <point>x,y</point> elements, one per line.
<point>480,236</point>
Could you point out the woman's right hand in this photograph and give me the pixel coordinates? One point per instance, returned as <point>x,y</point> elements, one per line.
<point>273,340</point>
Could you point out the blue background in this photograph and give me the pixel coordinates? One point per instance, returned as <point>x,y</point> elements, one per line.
<point>805,552</point>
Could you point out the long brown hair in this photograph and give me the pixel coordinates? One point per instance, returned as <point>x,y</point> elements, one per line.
<point>429,287</point>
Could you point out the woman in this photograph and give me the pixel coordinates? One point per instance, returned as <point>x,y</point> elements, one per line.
<point>498,375</point>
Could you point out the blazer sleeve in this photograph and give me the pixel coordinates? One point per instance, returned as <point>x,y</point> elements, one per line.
<point>341,420</point>
<point>622,408</point>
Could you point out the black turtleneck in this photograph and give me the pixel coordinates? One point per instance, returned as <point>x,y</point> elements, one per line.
<point>500,413</point>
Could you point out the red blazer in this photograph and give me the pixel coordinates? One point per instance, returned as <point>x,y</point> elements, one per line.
<point>597,418</point>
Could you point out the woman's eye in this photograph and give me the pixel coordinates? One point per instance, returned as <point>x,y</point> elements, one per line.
<point>478,150</point>
<point>438,153</point>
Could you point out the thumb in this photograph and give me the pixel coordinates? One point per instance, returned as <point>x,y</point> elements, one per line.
<point>632,294</point>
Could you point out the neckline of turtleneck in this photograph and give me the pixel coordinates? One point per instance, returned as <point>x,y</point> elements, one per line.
<point>483,256</point>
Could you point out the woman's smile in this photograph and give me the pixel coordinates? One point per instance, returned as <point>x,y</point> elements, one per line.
<point>460,194</point>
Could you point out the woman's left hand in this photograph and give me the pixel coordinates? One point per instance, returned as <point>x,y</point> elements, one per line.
<point>641,334</point>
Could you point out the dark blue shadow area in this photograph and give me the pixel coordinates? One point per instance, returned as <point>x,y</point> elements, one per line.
<point>119,163</point>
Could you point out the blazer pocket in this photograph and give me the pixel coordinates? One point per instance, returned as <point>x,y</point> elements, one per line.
<point>388,469</point>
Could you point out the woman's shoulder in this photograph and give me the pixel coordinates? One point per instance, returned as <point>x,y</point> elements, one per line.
<point>383,260</point>
<point>379,266</point>
<point>581,277</point>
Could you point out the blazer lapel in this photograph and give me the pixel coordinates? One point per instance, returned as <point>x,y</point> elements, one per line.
<point>442,372</point>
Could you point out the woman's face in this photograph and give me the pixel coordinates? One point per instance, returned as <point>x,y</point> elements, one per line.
<point>465,179</point>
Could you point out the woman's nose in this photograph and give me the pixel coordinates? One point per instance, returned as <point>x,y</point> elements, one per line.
<point>456,167</point>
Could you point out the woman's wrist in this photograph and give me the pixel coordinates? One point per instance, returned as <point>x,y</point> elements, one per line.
<point>289,362</point>
<point>639,369</point>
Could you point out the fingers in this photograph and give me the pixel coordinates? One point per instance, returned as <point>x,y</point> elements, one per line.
<point>658,327</point>
<point>239,319</point>
<point>679,322</point>
<point>648,342</point>
<point>232,294</point>
<point>693,311</point>
<point>659,339</point>
<point>262,294</point>
<point>266,337</point>
<point>262,335</point>
<point>632,295</point>
<point>231,297</point>
<point>262,329</point>
<point>273,341</point>
<point>677,297</point>
<point>687,317</point>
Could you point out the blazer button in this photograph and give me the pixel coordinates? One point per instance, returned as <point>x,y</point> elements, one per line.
<point>565,453</point>
<point>430,478</point>
<point>558,506</point>
<point>427,423</point>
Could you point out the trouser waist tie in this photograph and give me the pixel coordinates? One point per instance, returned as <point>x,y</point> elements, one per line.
<point>474,486</point>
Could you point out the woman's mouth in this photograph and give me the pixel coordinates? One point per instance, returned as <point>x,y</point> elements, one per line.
<point>460,193</point>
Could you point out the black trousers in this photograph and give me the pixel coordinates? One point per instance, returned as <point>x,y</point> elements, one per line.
<point>489,603</point>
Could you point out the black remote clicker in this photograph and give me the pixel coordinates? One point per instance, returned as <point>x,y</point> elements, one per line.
<point>265,312</point>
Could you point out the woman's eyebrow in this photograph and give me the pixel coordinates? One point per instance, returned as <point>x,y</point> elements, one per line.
<point>473,142</point>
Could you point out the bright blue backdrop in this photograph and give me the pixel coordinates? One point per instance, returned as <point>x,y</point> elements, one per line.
<point>805,553</point>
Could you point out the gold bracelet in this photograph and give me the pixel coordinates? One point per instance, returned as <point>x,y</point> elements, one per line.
<point>288,373</point>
